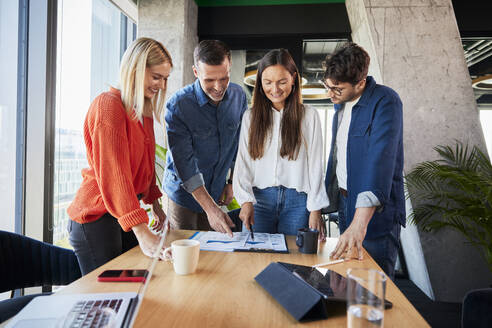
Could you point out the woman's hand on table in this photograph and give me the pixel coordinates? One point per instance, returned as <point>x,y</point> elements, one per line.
<point>159,217</point>
<point>247,215</point>
<point>147,241</point>
<point>316,222</point>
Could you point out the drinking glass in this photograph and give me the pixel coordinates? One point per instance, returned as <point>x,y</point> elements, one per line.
<point>366,290</point>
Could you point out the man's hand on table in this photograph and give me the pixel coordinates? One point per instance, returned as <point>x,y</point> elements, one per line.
<point>219,220</point>
<point>350,242</point>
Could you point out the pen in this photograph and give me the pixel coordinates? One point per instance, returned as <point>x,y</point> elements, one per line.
<point>328,263</point>
<point>252,234</point>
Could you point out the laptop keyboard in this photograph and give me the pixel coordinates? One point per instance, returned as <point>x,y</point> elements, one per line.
<point>85,314</point>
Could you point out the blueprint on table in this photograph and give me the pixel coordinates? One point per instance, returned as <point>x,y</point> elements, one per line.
<point>216,241</point>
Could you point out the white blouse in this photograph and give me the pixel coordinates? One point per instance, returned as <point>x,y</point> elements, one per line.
<point>304,174</point>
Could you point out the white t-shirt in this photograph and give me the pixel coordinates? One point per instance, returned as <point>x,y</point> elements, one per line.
<point>342,139</point>
<point>304,174</point>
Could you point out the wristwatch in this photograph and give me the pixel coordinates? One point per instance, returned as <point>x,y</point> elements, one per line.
<point>229,181</point>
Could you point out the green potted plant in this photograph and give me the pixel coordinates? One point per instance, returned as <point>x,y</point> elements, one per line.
<point>455,191</point>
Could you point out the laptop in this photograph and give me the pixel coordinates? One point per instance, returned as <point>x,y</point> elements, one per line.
<point>87,310</point>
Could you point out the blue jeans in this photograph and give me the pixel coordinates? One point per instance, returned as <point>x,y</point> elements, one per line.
<point>384,249</point>
<point>280,210</point>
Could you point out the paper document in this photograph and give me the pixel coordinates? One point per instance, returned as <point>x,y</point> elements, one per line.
<point>216,241</point>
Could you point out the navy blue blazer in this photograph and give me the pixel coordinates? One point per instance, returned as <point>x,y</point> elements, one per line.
<point>374,157</point>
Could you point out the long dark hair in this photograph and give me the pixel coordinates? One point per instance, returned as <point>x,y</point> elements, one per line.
<point>261,112</point>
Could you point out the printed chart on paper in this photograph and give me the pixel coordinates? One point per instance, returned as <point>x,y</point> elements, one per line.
<point>216,241</point>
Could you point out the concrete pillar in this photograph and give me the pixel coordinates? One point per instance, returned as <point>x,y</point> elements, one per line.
<point>174,23</point>
<point>238,58</point>
<point>415,48</point>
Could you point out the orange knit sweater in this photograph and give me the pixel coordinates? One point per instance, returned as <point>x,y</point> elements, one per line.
<point>121,156</point>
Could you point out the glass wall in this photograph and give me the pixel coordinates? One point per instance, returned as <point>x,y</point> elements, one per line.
<point>486,121</point>
<point>88,55</point>
<point>9,16</point>
<point>313,92</point>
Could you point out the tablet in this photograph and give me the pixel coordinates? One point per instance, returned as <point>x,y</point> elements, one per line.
<point>330,284</point>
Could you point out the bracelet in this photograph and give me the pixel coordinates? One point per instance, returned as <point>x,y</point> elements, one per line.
<point>229,181</point>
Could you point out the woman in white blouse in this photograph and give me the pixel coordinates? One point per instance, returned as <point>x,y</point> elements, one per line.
<point>278,176</point>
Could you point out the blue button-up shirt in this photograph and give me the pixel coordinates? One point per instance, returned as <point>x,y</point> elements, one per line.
<point>374,158</point>
<point>203,140</point>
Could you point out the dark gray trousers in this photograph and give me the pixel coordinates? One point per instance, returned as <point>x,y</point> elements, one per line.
<point>98,242</point>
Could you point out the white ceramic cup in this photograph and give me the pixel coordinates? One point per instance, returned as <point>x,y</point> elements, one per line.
<point>184,255</point>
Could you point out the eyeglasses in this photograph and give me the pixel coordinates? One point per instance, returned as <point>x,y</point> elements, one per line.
<point>335,90</point>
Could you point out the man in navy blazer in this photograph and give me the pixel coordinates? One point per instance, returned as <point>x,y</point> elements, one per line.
<point>364,178</point>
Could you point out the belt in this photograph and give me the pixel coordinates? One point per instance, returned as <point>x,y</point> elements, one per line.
<point>344,192</point>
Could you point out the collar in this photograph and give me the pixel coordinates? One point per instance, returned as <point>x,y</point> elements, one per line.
<point>368,90</point>
<point>366,94</point>
<point>202,98</point>
<point>277,111</point>
<point>115,91</point>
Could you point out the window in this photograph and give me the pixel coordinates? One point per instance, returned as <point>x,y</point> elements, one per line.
<point>486,120</point>
<point>9,22</point>
<point>477,55</point>
<point>313,92</point>
<point>89,45</point>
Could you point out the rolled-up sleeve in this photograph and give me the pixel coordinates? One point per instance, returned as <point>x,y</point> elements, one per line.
<point>316,196</point>
<point>181,147</point>
<point>367,199</point>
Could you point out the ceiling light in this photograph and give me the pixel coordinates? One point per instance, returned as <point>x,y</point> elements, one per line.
<point>483,82</point>
<point>250,78</point>
<point>311,91</point>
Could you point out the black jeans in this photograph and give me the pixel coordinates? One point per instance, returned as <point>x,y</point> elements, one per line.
<point>98,242</point>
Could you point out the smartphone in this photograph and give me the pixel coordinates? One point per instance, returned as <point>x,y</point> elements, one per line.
<point>123,275</point>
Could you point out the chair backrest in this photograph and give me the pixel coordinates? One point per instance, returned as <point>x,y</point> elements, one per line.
<point>26,262</point>
<point>477,309</point>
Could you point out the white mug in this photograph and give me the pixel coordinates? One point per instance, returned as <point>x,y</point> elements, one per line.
<point>185,253</point>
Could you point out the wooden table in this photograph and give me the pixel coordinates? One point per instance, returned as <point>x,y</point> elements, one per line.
<point>223,292</point>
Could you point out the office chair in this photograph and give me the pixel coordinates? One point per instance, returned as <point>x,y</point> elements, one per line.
<point>328,218</point>
<point>477,306</point>
<point>26,262</point>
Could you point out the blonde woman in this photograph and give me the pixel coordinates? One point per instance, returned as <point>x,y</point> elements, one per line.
<point>106,217</point>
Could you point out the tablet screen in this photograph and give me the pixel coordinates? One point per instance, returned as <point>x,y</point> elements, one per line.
<point>331,285</point>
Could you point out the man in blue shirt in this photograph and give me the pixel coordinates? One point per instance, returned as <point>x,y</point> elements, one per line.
<point>364,178</point>
<point>203,123</point>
